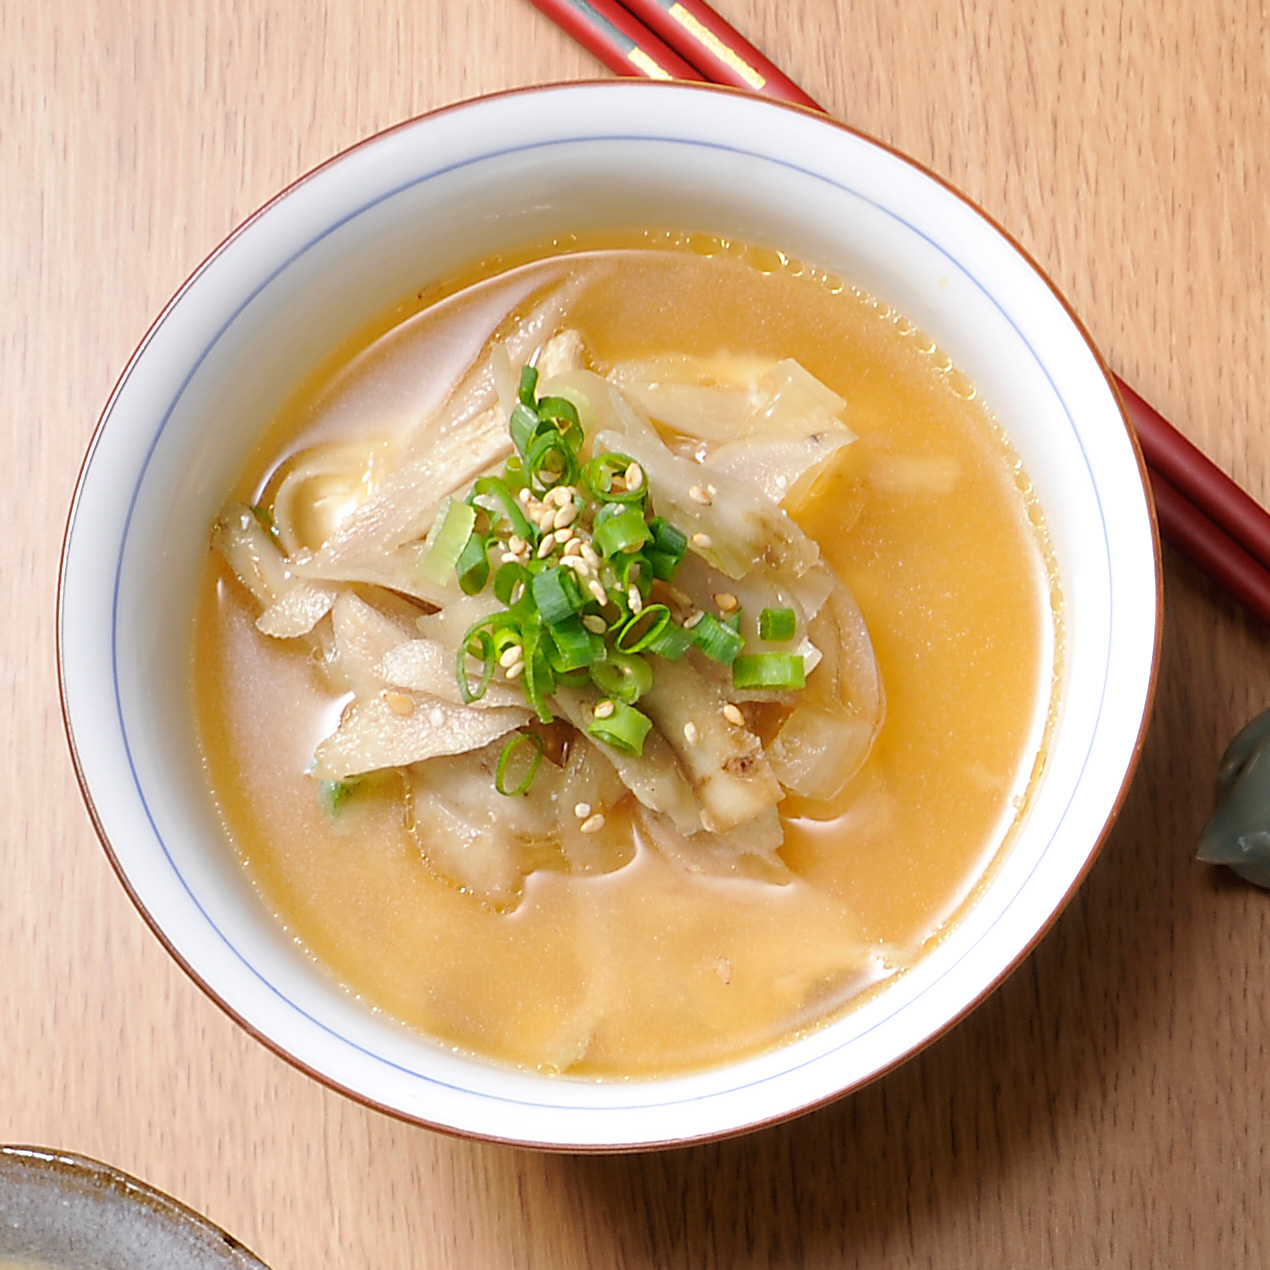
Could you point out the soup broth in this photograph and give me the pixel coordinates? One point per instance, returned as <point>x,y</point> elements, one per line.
<point>663,965</point>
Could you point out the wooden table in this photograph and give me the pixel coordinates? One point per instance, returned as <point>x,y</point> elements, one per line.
<point>1107,1107</point>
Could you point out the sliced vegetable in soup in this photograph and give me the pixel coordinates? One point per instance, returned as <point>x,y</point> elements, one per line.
<point>626,657</point>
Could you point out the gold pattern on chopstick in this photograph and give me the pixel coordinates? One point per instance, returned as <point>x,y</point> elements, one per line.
<point>716,46</point>
<point>647,65</point>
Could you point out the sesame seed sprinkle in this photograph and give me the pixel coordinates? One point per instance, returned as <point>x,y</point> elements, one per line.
<point>733,715</point>
<point>604,709</point>
<point>593,824</point>
<point>704,541</point>
<point>582,810</point>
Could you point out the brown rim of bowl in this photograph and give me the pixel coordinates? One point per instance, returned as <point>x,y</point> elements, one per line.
<point>47,1160</point>
<point>634,85</point>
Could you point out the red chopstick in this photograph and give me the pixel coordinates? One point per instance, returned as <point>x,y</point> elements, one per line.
<point>1201,511</point>
<point>618,39</point>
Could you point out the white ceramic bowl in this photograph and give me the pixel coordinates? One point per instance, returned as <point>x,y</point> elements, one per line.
<point>407,206</point>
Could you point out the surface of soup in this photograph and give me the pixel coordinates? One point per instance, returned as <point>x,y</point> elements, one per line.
<point>675,959</point>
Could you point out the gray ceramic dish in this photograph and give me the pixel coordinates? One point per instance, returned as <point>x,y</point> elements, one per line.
<point>65,1212</point>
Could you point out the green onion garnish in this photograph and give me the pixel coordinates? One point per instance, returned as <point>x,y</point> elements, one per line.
<point>550,460</point>
<point>622,531</point>
<point>673,642</point>
<point>624,729</point>
<point>514,743</point>
<point>562,411</point>
<point>777,625</point>
<point>538,679</point>
<point>484,653</point>
<point>622,677</point>
<point>493,494</point>
<point>522,425</point>
<point>719,642</point>
<point>557,593</point>
<point>472,566</point>
<point>570,646</point>
<point>769,670</point>
<point>598,476</point>
<point>528,383</point>
<point>450,533</point>
<point>639,632</point>
<point>334,794</point>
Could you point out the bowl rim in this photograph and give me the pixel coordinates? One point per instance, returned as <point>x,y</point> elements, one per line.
<point>638,85</point>
<point>103,1177</point>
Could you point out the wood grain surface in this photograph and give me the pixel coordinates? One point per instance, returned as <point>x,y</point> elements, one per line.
<point>1108,1106</point>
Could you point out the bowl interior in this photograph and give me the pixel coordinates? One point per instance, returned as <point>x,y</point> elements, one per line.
<point>399,212</point>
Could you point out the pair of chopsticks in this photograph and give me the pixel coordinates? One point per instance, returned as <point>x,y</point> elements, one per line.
<point>1201,511</point>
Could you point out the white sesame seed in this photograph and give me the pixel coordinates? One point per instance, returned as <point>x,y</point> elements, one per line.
<point>582,810</point>
<point>518,592</point>
<point>704,541</point>
<point>515,672</point>
<point>733,715</point>
<point>690,732</point>
<point>634,599</point>
<point>563,535</point>
<point>573,547</point>
<point>559,496</point>
<point>509,557</point>
<point>593,824</point>
<point>589,553</point>
<point>726,600</point>
<point>511,655</point>
<point>567,514</point>
<point>436,716</point>
<point>516,544</point>
<point>692,620</point>
<point>525,495</point>
<point>546,546</point>
<point>399,703</point>
<point>595,624</point>
<point>634,477</point>
<point>604,709</point>
<point>698,495</point>
<point>712,491</point>
<point>577,564</point>
<point>597,590</point>
<point>546,520</point>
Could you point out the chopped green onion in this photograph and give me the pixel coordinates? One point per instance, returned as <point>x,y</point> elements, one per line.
<point>733,621</point>
<point>598,476</point>
<point>624,729</point>
<point>528,383</point>
<point>639,632</point>
<point>562,411</point>
<point>769,670</point>
<point>495,489</point>
<point>486,655</point>
<point>505,581</point>
<point>514,743</point>
<point>667,538</point>
<point>777,625</point>
<point>571,646</point>
<point>537,678</point>
<point>623,677</point>
<point>719,642</point>
<point>673,642</point>
<point>334,794</point>
<point>450,534</point>
<point>522,425</point>
<point>542,448</point>
<point>558,594</point>
<point>472,566</point>
<point>623,531</point>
